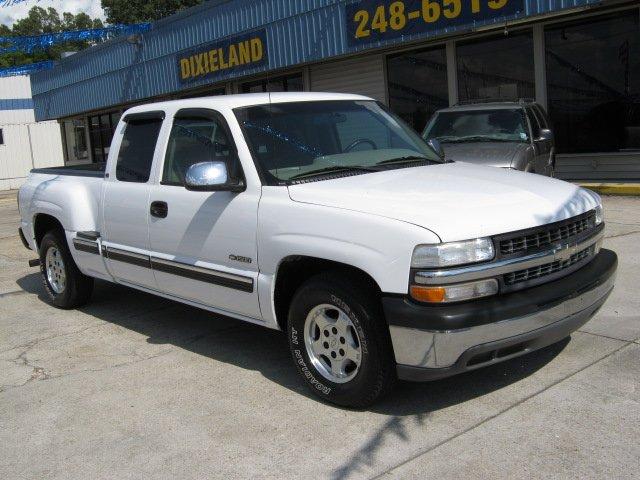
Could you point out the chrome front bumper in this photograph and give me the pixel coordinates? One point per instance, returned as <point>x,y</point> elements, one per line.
<point>446,349</point>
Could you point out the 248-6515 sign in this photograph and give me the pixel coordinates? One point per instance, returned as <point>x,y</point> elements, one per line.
<point>374,20</point>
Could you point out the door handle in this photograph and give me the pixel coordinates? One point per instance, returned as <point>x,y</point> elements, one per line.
<point>159,209</point>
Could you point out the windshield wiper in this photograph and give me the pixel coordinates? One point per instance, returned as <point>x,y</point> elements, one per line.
<point>479,138</point>
<point>446,139</point>
<point>333,169</point>
<point>406,159</point>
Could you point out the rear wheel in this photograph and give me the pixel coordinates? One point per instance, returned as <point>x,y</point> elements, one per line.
<point>339,340</point>
<point>65,284</point>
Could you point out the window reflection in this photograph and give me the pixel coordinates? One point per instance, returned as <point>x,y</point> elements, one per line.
<point>478,125</point>
<point>75,138</point>
<point>418,85</point>
<point>499,68</point>
<point>285,83</point>
<point>593,83</point>
<point>205,93</point>
<point>101,130</point>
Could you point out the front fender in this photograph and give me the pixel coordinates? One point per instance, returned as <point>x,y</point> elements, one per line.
<point>379,246</point>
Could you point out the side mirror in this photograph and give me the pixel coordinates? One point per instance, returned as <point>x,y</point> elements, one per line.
<point>211,177</point>
<point>545,134</point>
<point>435,144</point>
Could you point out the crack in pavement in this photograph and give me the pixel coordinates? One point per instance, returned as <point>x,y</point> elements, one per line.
<point>6,388</point>
<point>40,373</point>
<point>606,336</point>
<point>622,234</point>
<point>625,344</point>
<point>29,345</point>
<point>34,342</point>
<point>13,292</point>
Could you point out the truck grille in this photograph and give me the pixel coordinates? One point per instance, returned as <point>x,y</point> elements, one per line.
<point>546,235</point>
<point>546,269</point>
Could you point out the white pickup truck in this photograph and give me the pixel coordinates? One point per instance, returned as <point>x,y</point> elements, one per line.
<point>325,216</point>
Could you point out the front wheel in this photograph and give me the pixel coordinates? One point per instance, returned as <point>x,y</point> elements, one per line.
<point>65,284</point>
<point>339,340</point>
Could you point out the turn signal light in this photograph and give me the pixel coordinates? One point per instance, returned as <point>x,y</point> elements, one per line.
<point>428,294</point>
<point>454,293</point>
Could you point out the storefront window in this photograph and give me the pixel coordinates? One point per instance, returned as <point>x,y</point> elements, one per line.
<point>498,68</point>
<point>418,85</point>
<point>75,138</point>
<point>593,83</point>
<point>285,83</point>
<point>206,93</point>
<point>101,129</point>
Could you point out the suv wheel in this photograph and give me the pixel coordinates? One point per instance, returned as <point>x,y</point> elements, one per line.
<point>339,340</point>
<point>66,286</point>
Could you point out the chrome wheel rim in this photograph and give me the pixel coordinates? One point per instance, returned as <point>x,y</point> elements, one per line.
<point>332,343</point>
<point>54,266</point>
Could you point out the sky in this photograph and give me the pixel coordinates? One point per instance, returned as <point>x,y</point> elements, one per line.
<point>10,14</point>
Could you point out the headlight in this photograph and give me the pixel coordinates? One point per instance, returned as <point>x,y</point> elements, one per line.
<point>454,293</point>
<point>599,215</point>
<point>453,253</point>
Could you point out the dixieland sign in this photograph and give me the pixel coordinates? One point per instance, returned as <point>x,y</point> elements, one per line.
<point>218,58</point>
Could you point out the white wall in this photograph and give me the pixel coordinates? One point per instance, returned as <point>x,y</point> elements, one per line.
<point>27,146</point>
<point>18,87</point>
<point>9,117</point>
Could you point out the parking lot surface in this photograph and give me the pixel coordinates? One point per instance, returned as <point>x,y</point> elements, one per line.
<point>135,386</point>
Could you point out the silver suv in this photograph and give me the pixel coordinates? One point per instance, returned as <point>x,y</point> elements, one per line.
<point>507,134</point>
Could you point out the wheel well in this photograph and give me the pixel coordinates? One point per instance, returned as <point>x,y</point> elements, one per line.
<point>43,223</point>
<point>294,271</point>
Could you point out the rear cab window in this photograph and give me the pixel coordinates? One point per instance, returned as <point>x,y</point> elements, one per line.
<point>137,148</point>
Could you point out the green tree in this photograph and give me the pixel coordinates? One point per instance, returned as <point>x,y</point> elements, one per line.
<point>4,31</point>
<point>40,21</point>
<point>139,11</point>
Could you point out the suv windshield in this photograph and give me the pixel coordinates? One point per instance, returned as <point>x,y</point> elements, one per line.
<point>301,139</point>
<point>494,125</point>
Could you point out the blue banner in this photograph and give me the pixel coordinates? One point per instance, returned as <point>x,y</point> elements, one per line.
<point>218,58</point>
<point>10,3</point>
<point>26,69</point>
<point>379,20</point>
<point>28,44</point>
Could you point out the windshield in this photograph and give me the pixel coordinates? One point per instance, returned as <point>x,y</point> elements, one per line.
<point>504,125</point>
<point>299,139</point>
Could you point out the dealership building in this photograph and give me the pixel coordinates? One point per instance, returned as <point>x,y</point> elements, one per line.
<point>580,59</point>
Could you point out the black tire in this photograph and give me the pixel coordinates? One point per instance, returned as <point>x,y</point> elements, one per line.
<point>376,374</point>
<point>78,287</point>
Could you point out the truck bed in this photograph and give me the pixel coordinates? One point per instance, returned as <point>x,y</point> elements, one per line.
<point>89,170</point>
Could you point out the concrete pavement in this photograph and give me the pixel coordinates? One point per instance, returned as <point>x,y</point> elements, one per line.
<point>134,386</point>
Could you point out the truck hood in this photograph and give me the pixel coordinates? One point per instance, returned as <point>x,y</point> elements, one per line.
<point>456,201</point>
<point>493,154</point>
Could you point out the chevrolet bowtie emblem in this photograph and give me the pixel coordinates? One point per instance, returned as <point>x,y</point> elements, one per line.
<point>563,253</point>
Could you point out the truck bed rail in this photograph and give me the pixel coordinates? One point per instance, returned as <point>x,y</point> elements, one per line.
<point>89,170</point>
